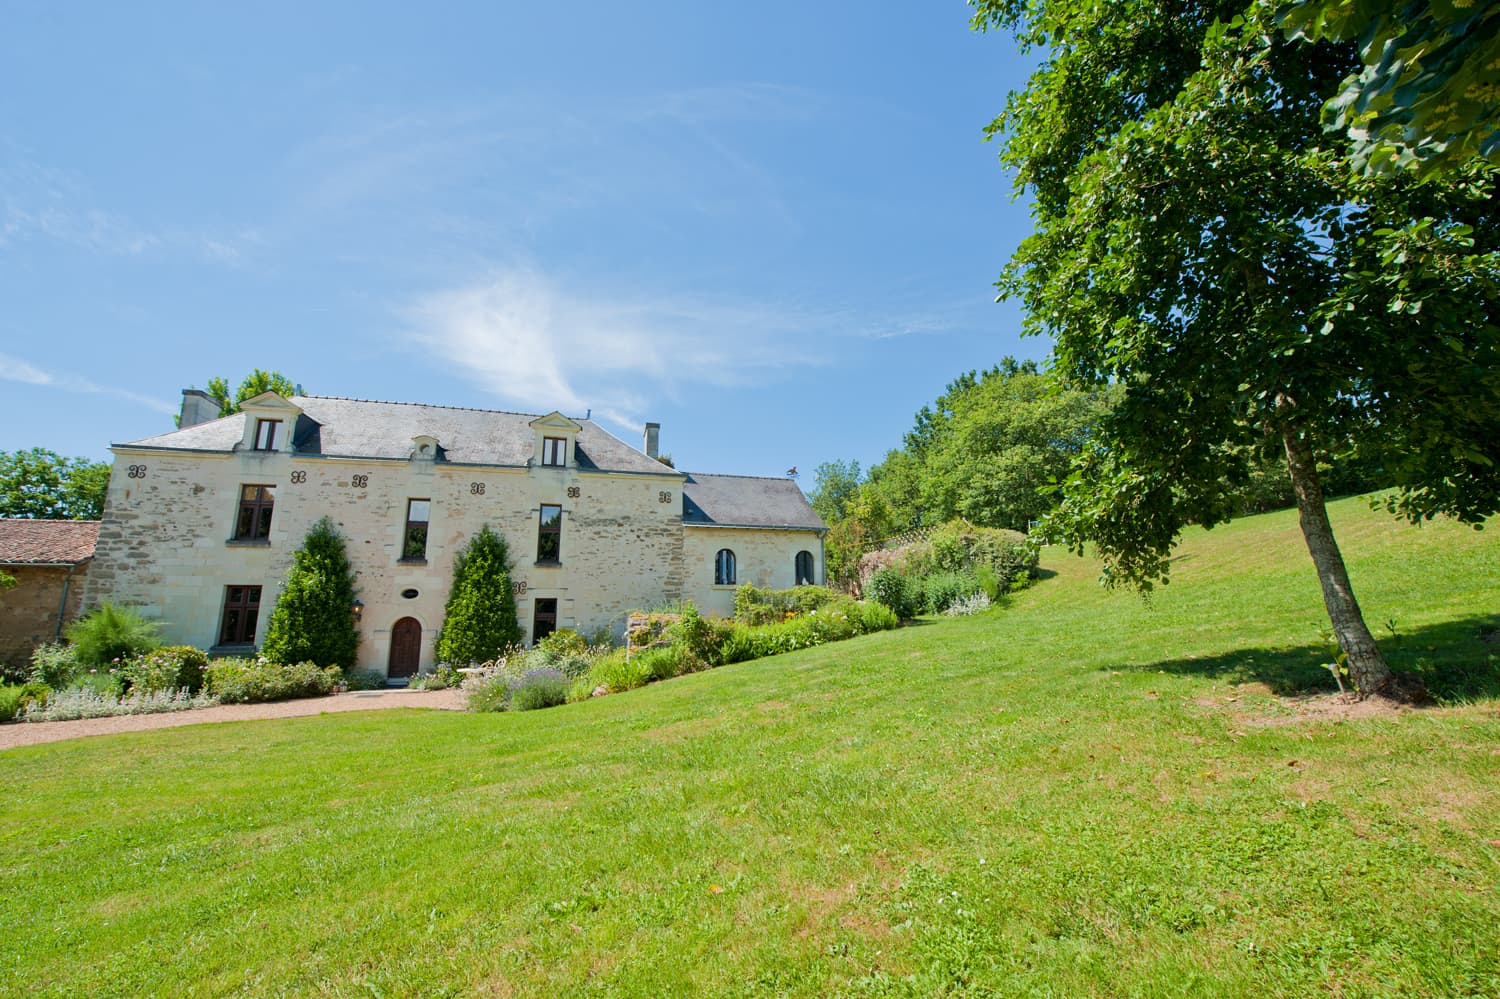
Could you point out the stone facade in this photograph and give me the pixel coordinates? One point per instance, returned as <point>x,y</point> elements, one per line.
<point>168,543</point>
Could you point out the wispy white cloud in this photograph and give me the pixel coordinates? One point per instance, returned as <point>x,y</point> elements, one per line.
<point>15,369</point>
<point>539,345</point>
<point>38,201</point>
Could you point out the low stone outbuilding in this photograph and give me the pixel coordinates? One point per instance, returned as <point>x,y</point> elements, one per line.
<point>49,559</point>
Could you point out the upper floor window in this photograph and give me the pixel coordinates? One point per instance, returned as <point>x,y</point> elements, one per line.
<point>549,534</point>
<point>724,568</point>
<point>265,434</point>
<point>254,521</point>
<point>414,542</point>
<point>241,611</point>
<point>804,568</point>
<point>554,450</point>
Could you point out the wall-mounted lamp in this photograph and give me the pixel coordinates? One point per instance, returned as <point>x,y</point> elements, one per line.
<point>357,609</point>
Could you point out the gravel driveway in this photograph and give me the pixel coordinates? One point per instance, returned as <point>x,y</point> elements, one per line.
<point>15,734</point>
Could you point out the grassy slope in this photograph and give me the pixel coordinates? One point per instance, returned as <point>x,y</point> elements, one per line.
<point>1071,797</point>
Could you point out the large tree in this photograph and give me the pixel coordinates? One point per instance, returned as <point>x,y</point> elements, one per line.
<point>1196,244</point>
<point>44,485</point>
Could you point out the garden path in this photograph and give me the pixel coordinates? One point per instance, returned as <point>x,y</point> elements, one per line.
<point>30,733</point>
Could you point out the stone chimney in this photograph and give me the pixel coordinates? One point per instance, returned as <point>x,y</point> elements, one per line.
<point>653,435</point>
<point>197,407</point>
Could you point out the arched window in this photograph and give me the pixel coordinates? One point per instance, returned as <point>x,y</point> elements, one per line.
<point>804,568</point>
<point>724,568</point>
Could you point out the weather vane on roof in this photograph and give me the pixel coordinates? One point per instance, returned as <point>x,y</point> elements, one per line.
<point>791,473</point>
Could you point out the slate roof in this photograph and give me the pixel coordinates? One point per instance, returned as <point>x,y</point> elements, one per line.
<point>360,428</point>
<point>746,501</point>
<point>68,542</point>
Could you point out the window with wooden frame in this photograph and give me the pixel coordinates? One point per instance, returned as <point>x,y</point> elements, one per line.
<point>724,568</point>
<point>804,568</point>
<point>554,450</point>
<point>241,613</point>
<point>414,541</point>
<point>549,534</point>
<point>254,520</point>
<point>266,432</point>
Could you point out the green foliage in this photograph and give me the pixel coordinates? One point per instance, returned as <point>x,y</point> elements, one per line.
<point>753,605</point>
<point>255,383</point>
<point>895,590</point>
<point>1426,95</point>
<point>364,679</point>
<point>7,581</point>
<point>942,590</point>
<point>479,621</point>
<point>14,700</point>
<point>171,667</point>
<point>835,489</point>
<point>41,484</point>
<point>56,665</point>
<point>875,616</point>
<point>109,632</point>
<point>620,672</point>
<point>247,681</point>
<point>960,547</point>
<point>313,620</point>
<point>698,639</point>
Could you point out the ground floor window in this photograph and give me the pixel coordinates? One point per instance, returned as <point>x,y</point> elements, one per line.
<point>544,619</point>
<point>241,612</point>
<point>804,568</point>
<point>724,568</point>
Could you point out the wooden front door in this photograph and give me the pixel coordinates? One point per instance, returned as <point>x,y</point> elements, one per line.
<point>544,622</point>
<point>406,649</point>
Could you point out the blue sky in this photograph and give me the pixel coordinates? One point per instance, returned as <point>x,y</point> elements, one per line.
<point>772,228</point>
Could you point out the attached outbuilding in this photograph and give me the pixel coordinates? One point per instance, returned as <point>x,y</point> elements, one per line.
<point>49,560</point>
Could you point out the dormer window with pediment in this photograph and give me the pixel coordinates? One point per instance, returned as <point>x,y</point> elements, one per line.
<point>555,441</point>
<point>269,421</point>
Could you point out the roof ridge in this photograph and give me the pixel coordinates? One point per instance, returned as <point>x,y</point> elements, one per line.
<point>437,405</point>
<point>732,475</point>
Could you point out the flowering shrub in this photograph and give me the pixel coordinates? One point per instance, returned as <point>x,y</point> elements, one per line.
<point>892,588</point>
<point>86,702</point>
<point>495,688</point>
<point>245,681</point>
<point>55,665</point>
<point>171,667</point>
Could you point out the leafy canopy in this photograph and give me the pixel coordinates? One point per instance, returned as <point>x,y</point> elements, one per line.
<point>41,484</point>
<point>1427,93</point>
<point>313,620</point>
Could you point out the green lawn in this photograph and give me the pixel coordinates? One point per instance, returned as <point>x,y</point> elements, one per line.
<point>1083,794</point>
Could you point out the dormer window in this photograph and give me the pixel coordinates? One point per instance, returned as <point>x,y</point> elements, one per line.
<point>266,432</point>
<point>554,450</point>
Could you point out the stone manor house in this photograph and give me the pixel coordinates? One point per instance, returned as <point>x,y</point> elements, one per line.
<point>200,524</point>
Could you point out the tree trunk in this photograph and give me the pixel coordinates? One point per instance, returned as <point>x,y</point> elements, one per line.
<point>1367,667</point>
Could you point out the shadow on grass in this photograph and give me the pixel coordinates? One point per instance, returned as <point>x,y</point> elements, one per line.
<point>1459,660</point>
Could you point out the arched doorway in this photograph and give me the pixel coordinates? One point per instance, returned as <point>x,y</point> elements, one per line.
<point>406,649</point>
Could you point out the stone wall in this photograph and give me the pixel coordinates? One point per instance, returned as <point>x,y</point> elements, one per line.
<point>28,611</point>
